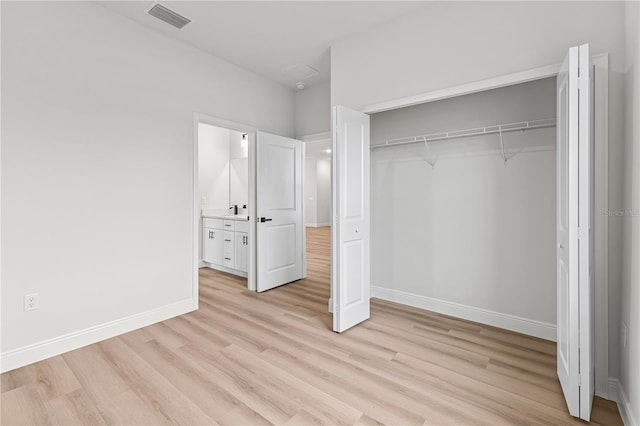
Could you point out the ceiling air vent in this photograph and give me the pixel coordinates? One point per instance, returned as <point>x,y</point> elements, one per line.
<point>167,15</point>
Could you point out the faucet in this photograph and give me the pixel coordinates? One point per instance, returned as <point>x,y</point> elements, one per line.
<point>234,208</point>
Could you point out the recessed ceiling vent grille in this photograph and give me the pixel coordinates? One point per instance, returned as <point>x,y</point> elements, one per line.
<point>167,15</point>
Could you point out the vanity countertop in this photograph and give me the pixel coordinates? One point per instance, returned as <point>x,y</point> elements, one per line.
<point>207,213</point>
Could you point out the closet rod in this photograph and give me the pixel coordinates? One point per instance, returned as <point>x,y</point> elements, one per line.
<point>489,130</point>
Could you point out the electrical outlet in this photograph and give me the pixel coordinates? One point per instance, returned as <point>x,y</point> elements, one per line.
<point>203,201</point>
<point>623,336</point>
<point>31,302</point>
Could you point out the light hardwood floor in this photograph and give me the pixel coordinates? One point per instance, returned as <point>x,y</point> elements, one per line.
<point>246,359</point>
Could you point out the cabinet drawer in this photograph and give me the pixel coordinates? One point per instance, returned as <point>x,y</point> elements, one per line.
<point>242,226</point>
<point>229,225</point>
<point>212,223</point>
<point>228,251</point>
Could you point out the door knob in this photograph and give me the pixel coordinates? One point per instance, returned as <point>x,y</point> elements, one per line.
<point>264,219</point>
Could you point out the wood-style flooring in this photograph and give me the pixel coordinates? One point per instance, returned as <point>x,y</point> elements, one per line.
<point>246,358</point>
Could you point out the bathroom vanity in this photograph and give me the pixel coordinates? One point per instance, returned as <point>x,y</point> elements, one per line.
<point>225,243</point>
<point>223,181</point>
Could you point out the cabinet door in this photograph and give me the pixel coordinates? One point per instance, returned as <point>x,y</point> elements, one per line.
<point>228,254</point>
<point>212,246</point>
<point>242,251</point>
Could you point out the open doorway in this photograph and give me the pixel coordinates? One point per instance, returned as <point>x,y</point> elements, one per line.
<point>223,194</point>
<point>317,206</point>
<point>224,164</point>
<point>247,203</point>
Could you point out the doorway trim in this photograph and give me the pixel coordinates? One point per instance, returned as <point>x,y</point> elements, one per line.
<point>601,189</point>
<point>196,210</point>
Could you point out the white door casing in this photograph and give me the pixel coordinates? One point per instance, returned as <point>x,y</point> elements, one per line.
<point>574,315</point>
<point>280,231</point>
<point>350,271</point>
<point>585,233</point>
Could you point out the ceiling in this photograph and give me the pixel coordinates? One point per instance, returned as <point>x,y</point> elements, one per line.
<point>269,37</point>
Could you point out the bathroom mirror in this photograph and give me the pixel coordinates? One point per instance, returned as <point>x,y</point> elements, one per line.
<point>238,181</point>
<point>238,169</point>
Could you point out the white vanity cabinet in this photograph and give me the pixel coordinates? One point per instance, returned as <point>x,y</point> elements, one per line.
<point>225,244</point>
<point>228,255</point>
<point>242,246</point>
<point>212,241</point>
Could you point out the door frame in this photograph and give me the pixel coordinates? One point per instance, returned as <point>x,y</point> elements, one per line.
<point>601,177</point>
<point>196,210</point>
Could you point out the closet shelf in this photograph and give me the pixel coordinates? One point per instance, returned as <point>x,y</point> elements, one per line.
<point>489,130</point>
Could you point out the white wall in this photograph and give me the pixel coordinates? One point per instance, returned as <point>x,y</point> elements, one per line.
<point>469,231</point>
<point>97,165</point>
<point>324,192</point>
<point>451,43</point>
<point>310,192</point>
<point>313,110</point>
<point>630,312</point>
<point>317,187</point>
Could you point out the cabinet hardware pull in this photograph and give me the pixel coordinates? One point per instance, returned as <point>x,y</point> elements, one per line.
<point>228,241</point>
<point>227,258</point>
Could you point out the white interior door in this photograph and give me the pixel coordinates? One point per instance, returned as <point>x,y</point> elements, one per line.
<point>280,231</point>
<point>575,313</point>
<point>350,267</point>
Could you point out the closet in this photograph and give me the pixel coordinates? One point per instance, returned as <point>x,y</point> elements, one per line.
<point>463,202</point>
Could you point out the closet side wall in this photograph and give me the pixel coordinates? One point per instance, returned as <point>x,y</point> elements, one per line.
<point>471,235</point>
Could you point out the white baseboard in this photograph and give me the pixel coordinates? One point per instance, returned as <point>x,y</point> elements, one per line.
<point>317,225</point>
<point>510,322</point>
<point>617,394</point>
<point>25,355</point>
<point>225,269</point>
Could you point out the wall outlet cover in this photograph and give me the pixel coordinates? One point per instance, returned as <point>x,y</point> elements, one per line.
<point>31,301</point>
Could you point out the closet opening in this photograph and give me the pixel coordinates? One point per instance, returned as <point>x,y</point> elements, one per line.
<point>463,206</point>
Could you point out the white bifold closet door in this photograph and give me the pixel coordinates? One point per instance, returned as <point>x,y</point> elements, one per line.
<point>574,195</point>
<point>350,268</point>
